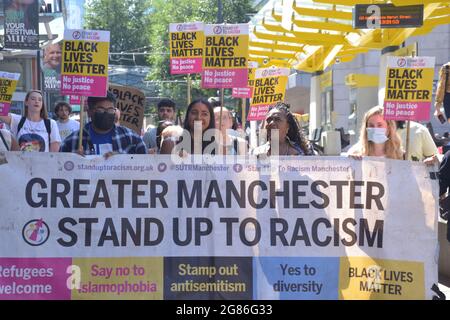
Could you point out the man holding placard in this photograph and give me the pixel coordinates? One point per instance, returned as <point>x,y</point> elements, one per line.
<point>101,136</point>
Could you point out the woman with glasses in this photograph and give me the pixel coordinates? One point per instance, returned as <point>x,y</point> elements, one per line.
<point>34,131</point>
<point>101,136</point>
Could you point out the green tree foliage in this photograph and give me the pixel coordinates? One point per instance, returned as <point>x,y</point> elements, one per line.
<point>127,21</point>
<point>165,12</point>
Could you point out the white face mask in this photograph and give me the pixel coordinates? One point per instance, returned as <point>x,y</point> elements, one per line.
<point>377,135</point>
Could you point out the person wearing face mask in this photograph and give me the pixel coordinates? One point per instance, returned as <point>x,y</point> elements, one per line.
<point>101,136</point>
<point>378,137</point>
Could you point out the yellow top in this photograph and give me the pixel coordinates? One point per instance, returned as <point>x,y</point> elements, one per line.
<point>421,144</point>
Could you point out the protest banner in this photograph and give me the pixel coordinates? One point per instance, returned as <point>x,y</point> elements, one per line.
<point>247,92</point>
<point>270,88</point>
<point>8,83</point>
<point>144,227</point>
<point>21,24</point>
<point>85,63</point>
<point>131,103</point>
<point>225,56</point>
<point>186,47</point>
<point>409,87</point>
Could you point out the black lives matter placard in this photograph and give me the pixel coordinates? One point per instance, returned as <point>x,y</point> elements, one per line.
<point>225,56</point>
<point>186,47</point>
<point>131,103</point>
<point>85,63</point>
<point>269,88</point>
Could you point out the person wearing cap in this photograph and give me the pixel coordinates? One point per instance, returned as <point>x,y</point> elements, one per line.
<point>101,136</point>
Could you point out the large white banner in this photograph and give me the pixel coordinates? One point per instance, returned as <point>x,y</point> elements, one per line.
<point>139,226</point>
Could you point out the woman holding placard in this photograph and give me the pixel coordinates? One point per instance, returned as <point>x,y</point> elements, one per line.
<point>34,131</point>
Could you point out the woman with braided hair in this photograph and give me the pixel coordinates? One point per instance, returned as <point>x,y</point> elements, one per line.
<point>291,142</point>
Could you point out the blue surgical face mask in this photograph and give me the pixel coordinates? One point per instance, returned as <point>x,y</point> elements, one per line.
<point>377,135</point>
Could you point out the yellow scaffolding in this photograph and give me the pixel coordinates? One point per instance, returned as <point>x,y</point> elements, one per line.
<point>321,32</point>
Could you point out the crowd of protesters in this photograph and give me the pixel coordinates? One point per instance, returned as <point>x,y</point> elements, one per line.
<point>208,128</point>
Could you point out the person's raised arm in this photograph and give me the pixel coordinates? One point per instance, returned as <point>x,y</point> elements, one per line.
<point>6,119</point>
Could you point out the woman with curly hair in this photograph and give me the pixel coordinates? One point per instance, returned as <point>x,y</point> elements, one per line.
<point>378,137</point>
<point>291,142</point>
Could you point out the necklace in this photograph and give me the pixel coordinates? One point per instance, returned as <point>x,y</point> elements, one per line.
<point>33,126</point>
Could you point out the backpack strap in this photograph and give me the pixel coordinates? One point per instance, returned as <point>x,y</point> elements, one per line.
<point>48,127</point>
<point>235,145</point>
<point>4,141</point>
<point>20,125</point>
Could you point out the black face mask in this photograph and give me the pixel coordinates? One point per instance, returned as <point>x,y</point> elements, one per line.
<point>103,121</point>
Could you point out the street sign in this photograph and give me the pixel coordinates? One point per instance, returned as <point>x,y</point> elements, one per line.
<point>375,16</point>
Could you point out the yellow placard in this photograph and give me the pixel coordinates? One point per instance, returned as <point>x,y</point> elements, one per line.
<point>226,52</point>
<point>87,58</point>
<point>268,91</point>
<point>120,278</point>
<point>7,88</point>
<point>251,77</point>
<point>363,278</point>
<point>409,84</point>
<point>186,44</point>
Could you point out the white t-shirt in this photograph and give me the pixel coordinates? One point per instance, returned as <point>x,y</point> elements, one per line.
<point>33,136</point>
<point>7,136</point>
<point>150,138</point>
<point>66,128</point>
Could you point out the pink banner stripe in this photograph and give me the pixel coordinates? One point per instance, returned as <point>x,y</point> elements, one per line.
<point>242,92</point>
<point>400,110</point>
<point>34,278</point>
<point>4,108</point>
<point>93,86</point>
<point>185,65</point>
<point>224,78</point>
<point>258,112</point>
